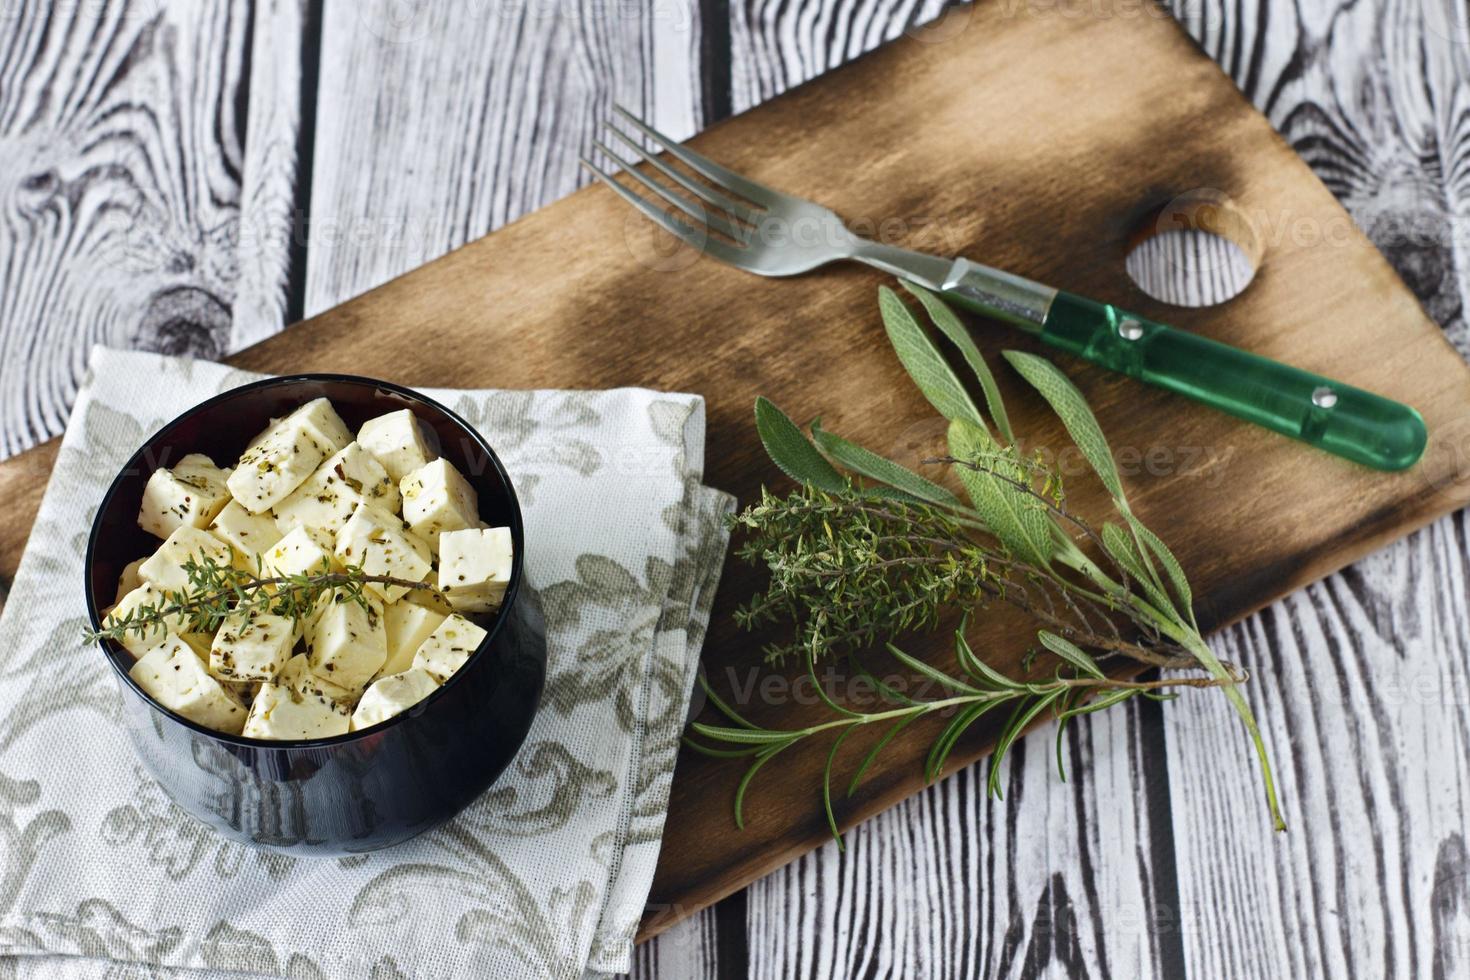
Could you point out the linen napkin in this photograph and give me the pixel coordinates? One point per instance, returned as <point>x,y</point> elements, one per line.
<point>546,875</point>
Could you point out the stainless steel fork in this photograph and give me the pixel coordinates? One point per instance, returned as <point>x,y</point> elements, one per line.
<point>767,232</point>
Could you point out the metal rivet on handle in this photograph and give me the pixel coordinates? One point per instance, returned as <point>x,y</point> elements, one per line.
<point>1129,328</point>
<point>1324,397</point>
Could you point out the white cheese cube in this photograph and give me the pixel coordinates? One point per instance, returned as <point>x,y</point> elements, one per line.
<point>448,647</point>
<point>198,642</point>
<point>191,493</point>
<point>397,440</point>
<point>139,642</point>
<point>279,463</point>
<point>327,499</point>
<point>249,534</point>
<point>165,569</point>
<point>392,695</point>
<point>173,675</point>
<point>129,579</point>
<point>474,567</point>
<point>245,691</point>
<point>321,421</point>
<point>408,625</point>
<point>431,599</point>
<point>303,550</point>
<point>378,543</point>
<point>348,643</point>
<point>298,676</point>
<point>297,705</point>
<point>251,646</point>
<point>436,498</point>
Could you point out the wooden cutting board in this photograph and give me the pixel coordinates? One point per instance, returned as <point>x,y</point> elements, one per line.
<point>1024,136</point>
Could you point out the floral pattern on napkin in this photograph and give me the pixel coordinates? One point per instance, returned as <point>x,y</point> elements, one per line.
<point>545,875</point>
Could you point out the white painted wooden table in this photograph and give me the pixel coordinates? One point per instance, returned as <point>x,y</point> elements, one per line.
<point>194,174</point>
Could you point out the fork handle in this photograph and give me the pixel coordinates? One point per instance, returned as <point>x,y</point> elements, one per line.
<point>1346,421</point>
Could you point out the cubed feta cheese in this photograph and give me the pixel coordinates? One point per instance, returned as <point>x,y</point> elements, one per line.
<point>139,643</point>
<point>378,543</point>
<point>191,493</point>
<point>249,534</point>
<point>348,643</point>
<point>173,675</point>
<point>303,550</point>
<point>397,440</point>
<point>429,599</point>
<point>322,422</point>
<point>408,625</point>
<point>474,567</point>
<point>279,463</point>
<point>327,499</point>
<point>251,646</point>
<point>392,695</point>
<point>166,568</point>
<point>297,675</point>
<point>448,647</point>
<point>198,642</point>
<point>436,498</point>
<point>297,706</point>
<point>129,579</point>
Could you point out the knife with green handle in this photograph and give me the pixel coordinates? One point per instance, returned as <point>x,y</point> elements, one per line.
<point>1346,421</point>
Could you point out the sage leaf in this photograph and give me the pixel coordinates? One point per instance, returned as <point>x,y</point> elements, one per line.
<point>1124,550</point>
<point>1172,568</point>
<point>944,318</point>
<point>1064,398</point>
<point>1008,511</point>
<point>791,451</point>
<point>868,463</point>
<point>924,362</point>
<point>1070,652</point>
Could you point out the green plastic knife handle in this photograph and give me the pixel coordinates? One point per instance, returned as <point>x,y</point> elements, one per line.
<point>1347,421</point>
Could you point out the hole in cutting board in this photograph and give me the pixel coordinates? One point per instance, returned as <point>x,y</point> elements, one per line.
<point>1200,249</point>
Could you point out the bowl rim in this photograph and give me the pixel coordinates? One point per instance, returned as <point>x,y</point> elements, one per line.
<point>512,589</point>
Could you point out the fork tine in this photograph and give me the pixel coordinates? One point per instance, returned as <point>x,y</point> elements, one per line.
<point>728,179</point>
<point>696,238</point>
<point>694,187</point>
<point>694,211</point>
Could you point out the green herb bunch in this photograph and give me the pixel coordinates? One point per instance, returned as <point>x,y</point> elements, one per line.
<point>215,591</point>
<point>866,549</point>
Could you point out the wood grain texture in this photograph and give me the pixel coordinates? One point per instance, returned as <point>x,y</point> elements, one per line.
<point>1240,914</point>
<point>275,167</point>
<point>530,86</point>
<point>1344,512</point>
<point>1363,675</point>
<point>1375,99</point>
<point>121,133</point>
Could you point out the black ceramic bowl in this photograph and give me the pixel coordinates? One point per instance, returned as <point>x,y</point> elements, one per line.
<point>364,790</point>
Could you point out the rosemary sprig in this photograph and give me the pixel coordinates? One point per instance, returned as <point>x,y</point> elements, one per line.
<point>973,694</point>
<point>857,558</point>
<point>215,591</point>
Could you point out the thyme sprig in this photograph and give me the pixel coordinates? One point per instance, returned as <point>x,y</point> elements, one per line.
<point>866,549</point>
<point>216,590</point>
